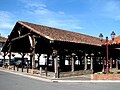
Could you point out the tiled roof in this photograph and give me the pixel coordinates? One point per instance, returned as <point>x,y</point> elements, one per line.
<point>3,39</point>
<point>61,35</point>
<point>117,39</point>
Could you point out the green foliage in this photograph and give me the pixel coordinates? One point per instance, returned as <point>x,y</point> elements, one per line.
<point>118,72</point>
<point>111,73</point>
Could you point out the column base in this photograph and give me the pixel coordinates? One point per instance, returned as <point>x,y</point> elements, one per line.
<point>33,71</point>
<point>72,70</point>
<point>92,70</point>
<point>55,75</point>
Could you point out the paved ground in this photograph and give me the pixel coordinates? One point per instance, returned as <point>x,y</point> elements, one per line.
<point>10,81</point>
<point>50,77</point>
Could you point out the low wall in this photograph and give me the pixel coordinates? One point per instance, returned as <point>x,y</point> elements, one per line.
<point>105,77</point>
<point>75,73</point>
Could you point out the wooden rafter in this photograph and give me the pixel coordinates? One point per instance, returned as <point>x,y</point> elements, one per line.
<point>20,37</point>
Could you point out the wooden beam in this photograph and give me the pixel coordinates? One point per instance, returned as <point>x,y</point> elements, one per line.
<point>20,37</point>
<point>33,30</point>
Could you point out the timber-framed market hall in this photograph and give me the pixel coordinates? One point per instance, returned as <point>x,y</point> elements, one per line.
<point>72,53</point>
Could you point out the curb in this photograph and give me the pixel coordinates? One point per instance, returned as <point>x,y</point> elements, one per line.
<point>87,81</point>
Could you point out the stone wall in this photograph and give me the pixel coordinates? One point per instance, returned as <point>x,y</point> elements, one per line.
<point>75,73</point>
<point>105,77</point>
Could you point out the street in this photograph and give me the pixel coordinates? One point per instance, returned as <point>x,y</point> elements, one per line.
<point>15,82</point>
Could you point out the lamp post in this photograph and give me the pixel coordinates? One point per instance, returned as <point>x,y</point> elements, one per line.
<point>101,38</point>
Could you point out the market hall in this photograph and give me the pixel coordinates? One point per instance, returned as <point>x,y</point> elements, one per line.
<point>71,53</point>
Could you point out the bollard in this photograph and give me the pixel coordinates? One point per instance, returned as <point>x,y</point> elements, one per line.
<point>27,69</point>
<point>17,68</point>
<point>59,70</point>
<point>46,71</point>
<point>40,70</point>
<point>14,67</point>
<point>22,68</point>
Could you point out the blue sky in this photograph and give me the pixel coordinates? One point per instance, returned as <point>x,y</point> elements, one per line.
<point>89,17</point>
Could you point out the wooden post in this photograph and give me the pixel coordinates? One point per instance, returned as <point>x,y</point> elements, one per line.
<point>100,60</point>
<point>17,68</point>
<point>23,54</point>
<point>33,61</point>
<point>4,60</point>
<point>80,58</point>
<point>56,67</point>
<point>9,58</point>
<point>32,54</point>
<point>85,68</point>
<point>73,63</point>
<point>111,63</point>
<point>116,64</point>
<point>62,62</point>
<point>40,70</point>
<point>27,66</point>
<point>14,67</point>
<point>103,64</point>
<point>46,66</point>
<point>54,55</point>
<point>38,60</point>
<point>45,70</point>
<point>91,67</point>
<point>30,61</point>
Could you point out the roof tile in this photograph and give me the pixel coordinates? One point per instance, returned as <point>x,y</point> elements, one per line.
<point>62,35</point>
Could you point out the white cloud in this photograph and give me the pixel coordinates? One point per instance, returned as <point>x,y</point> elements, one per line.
<point>32,5</point>
<point>63,24</point>
<point>61,13</point>
<point>37,12</point>
<point>41,14</point>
